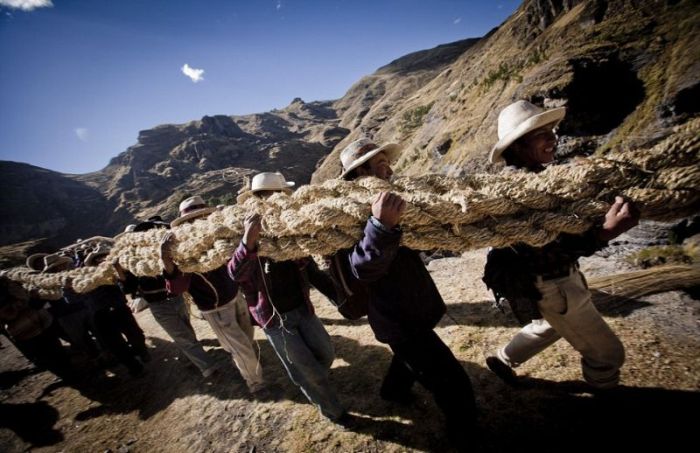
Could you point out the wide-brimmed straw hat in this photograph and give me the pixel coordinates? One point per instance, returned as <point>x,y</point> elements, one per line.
<point>36,261</point>
<point>518,119</point>
<point>95,254</point>
<point>270,181</point>
<point>362,150</point>
<point>51,262</point>
<point>192,208</point>
<point>264,181</point>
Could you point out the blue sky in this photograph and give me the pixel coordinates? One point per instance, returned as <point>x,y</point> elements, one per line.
<point>79,79</point>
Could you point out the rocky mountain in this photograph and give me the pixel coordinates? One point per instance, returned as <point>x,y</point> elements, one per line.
<point>39,203</point>
<point>210,157</point>
<point>627,70</point>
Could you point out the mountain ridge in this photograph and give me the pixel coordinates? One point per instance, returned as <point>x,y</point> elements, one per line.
<point>627,71</point>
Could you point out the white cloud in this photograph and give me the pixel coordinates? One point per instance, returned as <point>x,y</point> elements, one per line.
<point>279,5</point>
<point>456,21</point>
<point>195,74</point>
<point>82,133</point>
<point>500,6</point>
<point>26,5</point>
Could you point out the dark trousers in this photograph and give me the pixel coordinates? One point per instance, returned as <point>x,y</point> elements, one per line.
<point>110,322</point>
<point>426,359</point>
<point>130,328</point>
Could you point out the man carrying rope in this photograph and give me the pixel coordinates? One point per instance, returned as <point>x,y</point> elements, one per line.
<point>277,293</point>
<point>405,305</point>
<point>112,322</point>
<point>169,310</point>
<point>217,298</point>
<point>543,285</point>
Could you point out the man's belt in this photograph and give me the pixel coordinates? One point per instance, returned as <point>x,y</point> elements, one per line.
<point>558,273</point>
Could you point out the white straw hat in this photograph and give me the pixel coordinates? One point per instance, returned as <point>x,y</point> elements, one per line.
<point>518,119</point>
<point>192,208</point>
<point>270,181</point>
<point>362,150</point>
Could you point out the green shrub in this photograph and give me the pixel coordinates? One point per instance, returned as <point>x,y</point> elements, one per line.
<point>413,119</point>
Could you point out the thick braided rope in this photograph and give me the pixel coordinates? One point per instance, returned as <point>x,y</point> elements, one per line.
<point>454,214</point>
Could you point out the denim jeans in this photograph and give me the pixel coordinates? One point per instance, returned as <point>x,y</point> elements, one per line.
<point>305,349</point>
<point>174,317</point>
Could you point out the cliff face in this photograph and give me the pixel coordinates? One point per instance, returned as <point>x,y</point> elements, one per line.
<point>39,203</point>
<point>627,70</point>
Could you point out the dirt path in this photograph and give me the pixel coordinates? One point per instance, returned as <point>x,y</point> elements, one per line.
<point>173,409</point>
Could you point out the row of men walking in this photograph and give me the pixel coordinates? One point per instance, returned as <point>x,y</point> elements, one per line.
<point>404,305</point>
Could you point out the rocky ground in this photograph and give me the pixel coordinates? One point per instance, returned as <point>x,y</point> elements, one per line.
<point>173,409</point>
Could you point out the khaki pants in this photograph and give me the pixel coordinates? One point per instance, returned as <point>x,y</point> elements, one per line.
<point>569,313</point>
<point>232,327</point>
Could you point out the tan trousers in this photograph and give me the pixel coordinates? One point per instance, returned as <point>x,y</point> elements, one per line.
<point>569,313</point>
<point>231,325</point>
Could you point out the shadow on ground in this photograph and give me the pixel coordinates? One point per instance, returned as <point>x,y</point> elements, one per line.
<point>553,416</point>
<point>32,422</point>
<point>170,376</point>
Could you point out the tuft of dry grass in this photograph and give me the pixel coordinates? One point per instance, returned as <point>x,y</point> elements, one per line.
<point>660,255</point>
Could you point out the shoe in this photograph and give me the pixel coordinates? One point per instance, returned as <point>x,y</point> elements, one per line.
<point>502,370</point>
